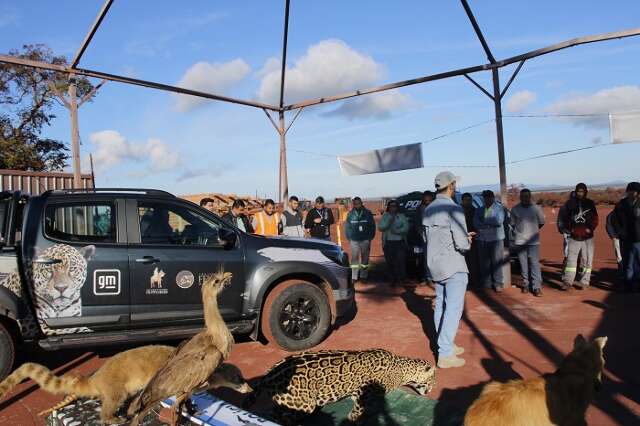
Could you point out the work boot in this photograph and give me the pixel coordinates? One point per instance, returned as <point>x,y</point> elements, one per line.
<point>525,289</point>
<point>499,288</point>
<point>537,292</point>
<point>565,287</point>
<point>458,350</point>
<point>581,286</point>
<point>450,362</point>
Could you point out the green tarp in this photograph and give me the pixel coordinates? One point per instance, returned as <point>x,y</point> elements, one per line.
<point>400,408</point>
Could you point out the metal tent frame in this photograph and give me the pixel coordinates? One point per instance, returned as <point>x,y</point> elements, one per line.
<point>494,65</point>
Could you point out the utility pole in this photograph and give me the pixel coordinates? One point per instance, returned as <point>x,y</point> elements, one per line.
<point>75,136</point>
<point>497,102</point>
<point>72,103</point>
<point>93,176</point>
<point>283,192</point>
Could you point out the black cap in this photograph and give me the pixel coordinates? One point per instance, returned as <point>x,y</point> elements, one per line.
<point>319,200</point>
<point>488,193</point>
<point>633,186</point>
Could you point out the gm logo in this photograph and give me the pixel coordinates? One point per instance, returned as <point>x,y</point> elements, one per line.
<point>106,282</point>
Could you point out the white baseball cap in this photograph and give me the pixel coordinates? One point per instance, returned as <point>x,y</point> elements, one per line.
<point>444,179</point>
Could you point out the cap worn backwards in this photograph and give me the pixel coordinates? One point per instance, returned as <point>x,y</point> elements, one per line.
<point>444,179</point>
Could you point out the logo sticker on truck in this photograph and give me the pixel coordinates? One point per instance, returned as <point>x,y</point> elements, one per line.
<point>106,282</point>
<point>155,283</point>
<point>185,279</point>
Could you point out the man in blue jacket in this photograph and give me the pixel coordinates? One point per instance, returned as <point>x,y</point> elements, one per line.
<point>360,229</point>
<point>447,242</point>
<point>489,223</point>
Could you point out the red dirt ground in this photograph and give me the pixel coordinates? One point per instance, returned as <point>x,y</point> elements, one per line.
<point>506,336</point>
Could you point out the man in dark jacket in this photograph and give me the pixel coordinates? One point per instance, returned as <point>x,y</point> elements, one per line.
<point>237,218</point>
<point>360,228</point>
<point>472,255</point>
<point>626,224</point>
<point>578,223</point>
<point>319,220</point>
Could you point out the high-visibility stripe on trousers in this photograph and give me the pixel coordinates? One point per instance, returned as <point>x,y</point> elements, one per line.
<point>359,259</point>
<point>582,250</point>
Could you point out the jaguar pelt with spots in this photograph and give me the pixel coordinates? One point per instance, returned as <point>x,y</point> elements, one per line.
<point>301,383</point>
<point>58,286</point>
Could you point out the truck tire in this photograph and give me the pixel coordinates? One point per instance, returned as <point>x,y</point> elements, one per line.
<point>296,315</point>
<point>7,351</point>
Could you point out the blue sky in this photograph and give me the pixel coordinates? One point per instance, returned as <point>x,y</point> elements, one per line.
<point>142,137</point>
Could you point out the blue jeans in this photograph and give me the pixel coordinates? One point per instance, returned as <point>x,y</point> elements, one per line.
<point>448,311</point>
<point>633,265</point>
<point>490,258</point>
<point>529,257</point>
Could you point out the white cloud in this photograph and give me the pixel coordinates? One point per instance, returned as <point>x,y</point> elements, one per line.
<point>327,68</point>
<point>379,105</point>
<point>112,149</point>
<point>216,78</point>
<point>521,100</point>
<point>272,65</point>
<point>601,103</point>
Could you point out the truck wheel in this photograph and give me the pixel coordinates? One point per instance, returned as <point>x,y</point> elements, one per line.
<point>296,315</point>
<point>7,351</point>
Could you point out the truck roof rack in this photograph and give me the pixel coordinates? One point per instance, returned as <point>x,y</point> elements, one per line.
<point>156,192</point>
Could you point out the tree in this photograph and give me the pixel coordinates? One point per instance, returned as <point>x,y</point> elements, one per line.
<point>27,97</point>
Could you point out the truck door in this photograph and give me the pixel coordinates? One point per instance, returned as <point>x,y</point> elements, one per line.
<point>80,272</point>
<point>176,246</point>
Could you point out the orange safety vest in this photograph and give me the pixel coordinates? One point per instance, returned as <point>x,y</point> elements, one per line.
<point>267,225</point>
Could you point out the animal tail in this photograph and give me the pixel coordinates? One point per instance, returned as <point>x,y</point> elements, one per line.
<point>68,400</point>
<point>48,381</point>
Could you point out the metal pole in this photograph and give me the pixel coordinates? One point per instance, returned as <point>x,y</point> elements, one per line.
<point>93,176</point>
<point>497,102</point>
<point>478,31</point>
<point>284,181</point>
<point>282,130</point>
<point>75,137</point>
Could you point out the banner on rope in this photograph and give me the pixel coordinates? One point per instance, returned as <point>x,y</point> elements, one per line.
<point>403,157</point>
<point>625,127</point>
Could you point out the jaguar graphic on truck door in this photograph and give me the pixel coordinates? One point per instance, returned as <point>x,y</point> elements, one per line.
<point>79,272</point>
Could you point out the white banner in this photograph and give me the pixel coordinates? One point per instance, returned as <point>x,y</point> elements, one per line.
<point>625,127</point>
<point>401,157</point>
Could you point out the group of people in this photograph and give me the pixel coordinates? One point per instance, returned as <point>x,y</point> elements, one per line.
<point>451,232</point>
<point>268,222</point>
<point>463,243</point>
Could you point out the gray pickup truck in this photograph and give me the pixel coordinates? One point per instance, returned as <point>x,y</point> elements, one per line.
<point>81,268</point>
